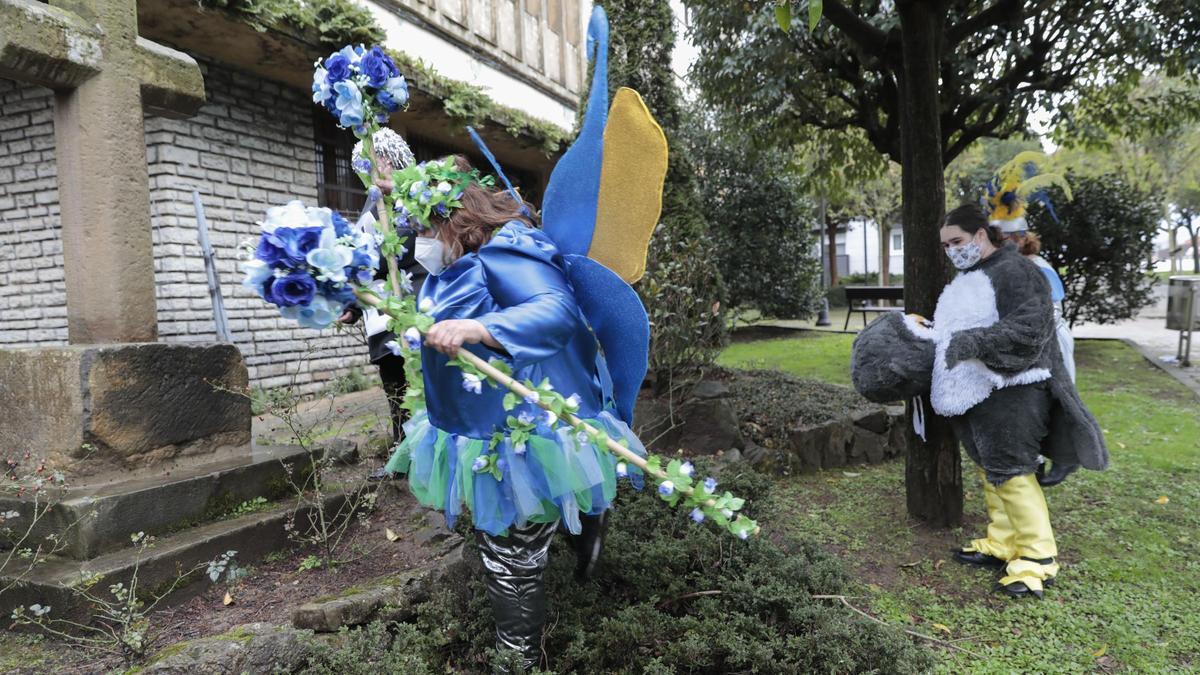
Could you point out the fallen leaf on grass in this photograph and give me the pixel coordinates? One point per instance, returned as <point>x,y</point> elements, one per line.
<point>851,474</point>
<point>1100,652</point>
<point>391,536</point>
<point>227,600</point>
<point>938,565</point>
<point>1120,445</point>
<point>911,564</point>
<point>942,627</point>
<point>1162,500</point>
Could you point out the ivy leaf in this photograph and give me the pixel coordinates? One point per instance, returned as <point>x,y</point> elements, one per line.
<point>815,9</point>
<point>783,17</point>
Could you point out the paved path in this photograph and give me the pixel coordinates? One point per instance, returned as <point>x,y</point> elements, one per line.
<point>1148,331</point>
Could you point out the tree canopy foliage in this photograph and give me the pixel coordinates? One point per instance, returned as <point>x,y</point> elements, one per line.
<point>998,61</point>
<point>760,219</point>
<point>1101,243</point>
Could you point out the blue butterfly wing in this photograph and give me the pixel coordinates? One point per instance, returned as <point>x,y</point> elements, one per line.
<point>573,192</point>
<point>620,323</point>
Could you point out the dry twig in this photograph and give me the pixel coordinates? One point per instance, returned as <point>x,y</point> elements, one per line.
<point>845,601</point>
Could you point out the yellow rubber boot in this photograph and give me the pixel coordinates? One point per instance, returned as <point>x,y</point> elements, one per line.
<point>1000,532</point>
<point>1033,538</point>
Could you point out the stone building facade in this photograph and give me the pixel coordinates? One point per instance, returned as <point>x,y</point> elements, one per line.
<point>255,143</point>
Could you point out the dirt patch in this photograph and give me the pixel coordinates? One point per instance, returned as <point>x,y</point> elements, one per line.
<point>277,585</point>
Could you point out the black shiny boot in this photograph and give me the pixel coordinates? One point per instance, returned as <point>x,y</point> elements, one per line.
<point>513,566</point>
<point>589,544</point>
<point>977,559</point>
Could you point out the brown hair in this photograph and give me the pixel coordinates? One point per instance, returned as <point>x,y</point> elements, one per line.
<point>972,219</point>
<point>1028,243</point>
<point>484,210</point>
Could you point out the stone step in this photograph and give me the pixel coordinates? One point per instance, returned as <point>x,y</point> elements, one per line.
<point>97,519</point>
<point>253,536</point>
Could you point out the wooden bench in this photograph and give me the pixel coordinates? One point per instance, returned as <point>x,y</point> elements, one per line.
<point>868,297</point>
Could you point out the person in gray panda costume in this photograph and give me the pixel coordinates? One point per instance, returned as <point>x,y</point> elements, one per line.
<point>990,363</point>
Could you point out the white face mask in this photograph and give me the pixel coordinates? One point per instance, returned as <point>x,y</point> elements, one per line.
<point>965,256</point>
<point>430,252</point>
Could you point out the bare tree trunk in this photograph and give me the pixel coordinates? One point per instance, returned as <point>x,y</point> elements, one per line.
<point>885,252</point>
<point>831,233</point>
<point>1172,244</point>
<point>1195,249</point>
<point>933,472</point>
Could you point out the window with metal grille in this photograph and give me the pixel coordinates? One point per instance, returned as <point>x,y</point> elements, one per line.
<point>337,186</point>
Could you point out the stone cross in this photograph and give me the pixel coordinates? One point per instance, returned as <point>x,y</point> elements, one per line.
<point>102,73</point>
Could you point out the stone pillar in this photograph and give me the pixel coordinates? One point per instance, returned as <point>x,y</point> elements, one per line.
<point>105,194</point>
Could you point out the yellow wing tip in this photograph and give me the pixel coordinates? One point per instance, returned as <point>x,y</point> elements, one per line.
<point>631,182</point>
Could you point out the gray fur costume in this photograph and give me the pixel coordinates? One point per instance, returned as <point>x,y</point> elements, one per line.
<point>993,331</point>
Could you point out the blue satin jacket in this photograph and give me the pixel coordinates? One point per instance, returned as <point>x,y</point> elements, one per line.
<point>516,286</point>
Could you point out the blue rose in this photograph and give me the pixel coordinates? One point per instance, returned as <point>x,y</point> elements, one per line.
<point>397,89</point>
<point>337,68</point>
<point>364,257</point>
<point>378,68</point>
<point>295,243</point>
<point>349,104</point>
<point>388,102</point>
<point>297,288</point>
<point>341,295</point>
<point>268,252</point>
<point>341,226</point>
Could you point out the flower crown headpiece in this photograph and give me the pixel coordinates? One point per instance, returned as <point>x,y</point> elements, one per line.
<point>432,188</point>
<point>1017,183</point>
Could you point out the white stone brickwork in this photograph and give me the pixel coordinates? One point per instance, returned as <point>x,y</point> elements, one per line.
<point>251,146</point>
<point>33,300</point>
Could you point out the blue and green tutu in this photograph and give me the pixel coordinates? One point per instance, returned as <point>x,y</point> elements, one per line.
<point>554,476</point>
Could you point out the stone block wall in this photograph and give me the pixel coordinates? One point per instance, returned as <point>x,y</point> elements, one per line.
<point>251,146</point>
<point>33,299</point>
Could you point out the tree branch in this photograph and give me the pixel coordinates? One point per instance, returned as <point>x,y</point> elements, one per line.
<point>865,36</point>
<point>1001,11</point>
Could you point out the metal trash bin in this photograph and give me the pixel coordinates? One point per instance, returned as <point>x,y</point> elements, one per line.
<point>1183,312</point>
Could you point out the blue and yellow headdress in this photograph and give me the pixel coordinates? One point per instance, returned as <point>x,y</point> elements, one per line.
<point>1018,183</point>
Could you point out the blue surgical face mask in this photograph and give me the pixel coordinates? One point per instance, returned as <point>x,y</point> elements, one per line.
<point>430,252</point>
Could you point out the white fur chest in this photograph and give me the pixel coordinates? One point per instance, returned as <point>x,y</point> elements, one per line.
<point>967,302</point>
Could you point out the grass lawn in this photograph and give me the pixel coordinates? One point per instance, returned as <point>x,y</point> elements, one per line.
<point>1128,597</point>
<point>818,356</point>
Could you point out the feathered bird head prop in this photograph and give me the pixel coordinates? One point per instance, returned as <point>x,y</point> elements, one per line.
<point>1017,183</point>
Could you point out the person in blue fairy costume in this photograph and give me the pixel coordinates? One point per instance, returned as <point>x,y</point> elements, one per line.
<point>499,287</point>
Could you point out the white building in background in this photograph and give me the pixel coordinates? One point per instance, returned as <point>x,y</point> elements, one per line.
<point>858,248</point>
<point>525,54</point>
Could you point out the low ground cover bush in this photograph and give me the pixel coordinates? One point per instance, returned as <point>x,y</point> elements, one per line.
<point>770,404</point>
<point>671,597</point>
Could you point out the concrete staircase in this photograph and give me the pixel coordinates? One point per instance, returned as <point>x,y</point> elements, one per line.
<point>192,513</point>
